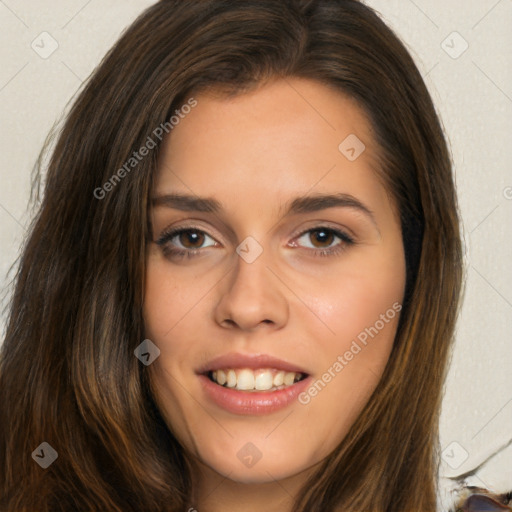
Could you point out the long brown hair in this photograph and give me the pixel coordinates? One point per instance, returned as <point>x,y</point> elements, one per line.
<point>68,375</point>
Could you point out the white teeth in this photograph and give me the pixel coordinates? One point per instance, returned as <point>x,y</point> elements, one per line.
<point>255,380</point>
<point>245,380</point>
<point>279,379</point>
<point>263,380</point>
<point>231,379</point>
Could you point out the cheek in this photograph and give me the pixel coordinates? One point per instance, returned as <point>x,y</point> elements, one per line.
<point>158,295</point>
<point>168,299</point>
<point>166,305</point>
<point>168,309</point>
<point>362,309</point>
<point>353,357</point>
<point>358,300</point>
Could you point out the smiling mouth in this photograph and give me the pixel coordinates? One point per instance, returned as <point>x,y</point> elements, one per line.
<point>264,379</point>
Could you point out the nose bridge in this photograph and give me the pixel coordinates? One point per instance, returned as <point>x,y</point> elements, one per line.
<point>253,294</point>
<point>252,277</point>
<point>251,266</point>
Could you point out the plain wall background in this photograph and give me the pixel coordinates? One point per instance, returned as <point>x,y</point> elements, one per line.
<point>472,90</point>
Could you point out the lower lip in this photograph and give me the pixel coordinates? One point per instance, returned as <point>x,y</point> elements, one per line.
<point>255,402</point>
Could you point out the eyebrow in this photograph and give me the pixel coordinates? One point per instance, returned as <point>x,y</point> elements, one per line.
<point>299,205</point>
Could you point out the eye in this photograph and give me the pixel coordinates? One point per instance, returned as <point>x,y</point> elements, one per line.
<point>188,241</point>
<point>324,237</point>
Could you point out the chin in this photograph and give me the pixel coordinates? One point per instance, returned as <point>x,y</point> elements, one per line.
<point>261,473</point>
<point>248,465</point>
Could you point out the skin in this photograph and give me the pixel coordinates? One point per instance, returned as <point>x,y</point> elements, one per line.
<point>253,153</point>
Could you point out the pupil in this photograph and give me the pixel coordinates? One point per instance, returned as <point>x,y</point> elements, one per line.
<point>190,236</point>
<point>322,234</point>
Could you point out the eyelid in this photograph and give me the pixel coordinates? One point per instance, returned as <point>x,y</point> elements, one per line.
<point>336,231</point>
<point>172,232</point>
<point>314,224</point>
<point>317,224</point>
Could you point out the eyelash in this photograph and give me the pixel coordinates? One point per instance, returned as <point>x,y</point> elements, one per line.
<point>167,236</point>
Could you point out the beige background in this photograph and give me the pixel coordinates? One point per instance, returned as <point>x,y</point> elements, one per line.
<point>462,48</point>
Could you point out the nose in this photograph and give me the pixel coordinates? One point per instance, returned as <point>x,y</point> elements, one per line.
<point>252,297</point>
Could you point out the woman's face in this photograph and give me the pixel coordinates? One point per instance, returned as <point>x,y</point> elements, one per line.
<point>273,286</point>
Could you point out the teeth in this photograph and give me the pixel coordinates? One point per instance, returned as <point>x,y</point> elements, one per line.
<point>255,380</point>
<point>245,380</point>
<point>221,377</point>
<point>231,379</point>
<point>289,378</point>
<point>279,379</point>
<point>263,380</point>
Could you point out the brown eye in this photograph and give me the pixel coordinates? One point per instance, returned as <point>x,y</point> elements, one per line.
<point>191,238</point>
<point>322,236</point>
<point>184,242</point>
<point>324,241</point>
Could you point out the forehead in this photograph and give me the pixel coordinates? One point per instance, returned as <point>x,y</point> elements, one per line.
<point>281,137</point>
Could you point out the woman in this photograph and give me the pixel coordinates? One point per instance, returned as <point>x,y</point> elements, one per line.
<point>262,370</point>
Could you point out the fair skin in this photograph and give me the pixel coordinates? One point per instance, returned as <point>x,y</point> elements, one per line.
<point>254,153</point>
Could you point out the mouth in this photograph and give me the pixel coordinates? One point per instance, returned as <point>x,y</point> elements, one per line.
<point>252,384</point>
<point>254,380</point>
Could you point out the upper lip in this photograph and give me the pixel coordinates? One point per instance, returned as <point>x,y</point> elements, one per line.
<point>251,361</point>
